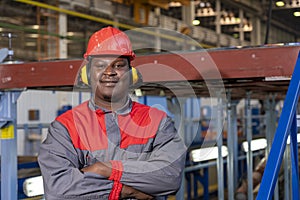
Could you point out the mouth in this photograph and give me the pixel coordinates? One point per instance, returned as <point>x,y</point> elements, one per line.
<point>109,83</point>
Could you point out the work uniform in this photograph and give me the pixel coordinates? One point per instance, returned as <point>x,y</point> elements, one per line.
<point>140,141</point>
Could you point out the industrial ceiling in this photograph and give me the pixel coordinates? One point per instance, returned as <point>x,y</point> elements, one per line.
<point>27,22</point>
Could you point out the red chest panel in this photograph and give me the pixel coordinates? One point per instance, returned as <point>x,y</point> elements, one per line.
<point>87,128</point>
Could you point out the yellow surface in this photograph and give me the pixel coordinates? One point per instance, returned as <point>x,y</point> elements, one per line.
<point>7,132</point>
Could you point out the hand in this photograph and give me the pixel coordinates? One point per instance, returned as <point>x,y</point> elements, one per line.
<point>101,168</point>
<point>129,192</point>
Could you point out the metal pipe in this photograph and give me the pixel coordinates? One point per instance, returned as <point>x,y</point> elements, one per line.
<point>249,153</point>
<point>219,138</point>
<point>230,146</point>
<point>286,175</point>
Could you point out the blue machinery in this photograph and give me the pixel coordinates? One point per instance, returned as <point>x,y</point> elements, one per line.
<point>287,126</point>
<point>8,121</point>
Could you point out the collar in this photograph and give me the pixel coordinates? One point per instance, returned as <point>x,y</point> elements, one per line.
<point>121,111</point>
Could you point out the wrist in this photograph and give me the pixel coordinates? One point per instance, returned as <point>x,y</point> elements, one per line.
<point>116,170</point>
<point>104,168</point>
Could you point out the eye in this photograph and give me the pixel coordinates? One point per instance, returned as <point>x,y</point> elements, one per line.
<point>119,65</point>
<point>99,65</point>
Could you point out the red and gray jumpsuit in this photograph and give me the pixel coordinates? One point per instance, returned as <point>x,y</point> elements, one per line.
<point>140,141</point>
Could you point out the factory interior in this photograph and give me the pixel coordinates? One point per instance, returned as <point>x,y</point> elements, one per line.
<point>225,71</point>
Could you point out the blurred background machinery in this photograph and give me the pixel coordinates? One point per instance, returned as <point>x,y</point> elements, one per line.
<point>228,128</point>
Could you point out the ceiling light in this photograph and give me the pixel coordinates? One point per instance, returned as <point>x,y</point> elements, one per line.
<point>280,3</point>
<point>70,34</point>
<point>196,22</point>
<point>247,27</point>
<point>32,35</point>
<point>175,4</point>
<point>208,4</point>
<point>30,44</point>
<point>35,27</point>
<point>202,4</point>
<point>297,13</point>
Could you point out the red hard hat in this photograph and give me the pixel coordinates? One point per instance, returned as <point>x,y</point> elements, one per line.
<point>109,41</point>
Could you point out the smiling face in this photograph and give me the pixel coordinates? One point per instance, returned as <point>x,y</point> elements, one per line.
<point>109,80</point>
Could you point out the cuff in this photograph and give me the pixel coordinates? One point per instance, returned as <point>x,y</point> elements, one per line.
<point>116,171</point>
<point>115,191</point>
<point>116,174</point>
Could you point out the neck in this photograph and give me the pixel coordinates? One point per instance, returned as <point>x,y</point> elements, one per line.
<point>111,105</point>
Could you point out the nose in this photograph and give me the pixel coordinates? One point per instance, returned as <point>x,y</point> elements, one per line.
<point>109,70</point>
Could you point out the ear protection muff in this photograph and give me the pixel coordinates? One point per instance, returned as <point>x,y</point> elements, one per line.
<point>84,75</point>
<point>135,76</point>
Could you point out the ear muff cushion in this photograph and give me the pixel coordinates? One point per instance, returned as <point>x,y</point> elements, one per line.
<point>134,75</point>
<point>84,75</point>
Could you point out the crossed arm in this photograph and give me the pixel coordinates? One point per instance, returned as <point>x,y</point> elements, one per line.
<point>65,176</point>
<point>105,169</point>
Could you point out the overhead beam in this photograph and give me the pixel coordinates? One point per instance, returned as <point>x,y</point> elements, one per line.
<point>234,64</point>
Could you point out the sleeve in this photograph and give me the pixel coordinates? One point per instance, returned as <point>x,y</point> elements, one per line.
<point>60,166</point>
<point>160,173</point>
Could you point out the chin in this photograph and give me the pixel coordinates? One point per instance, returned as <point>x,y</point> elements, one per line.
<point>107,98</point>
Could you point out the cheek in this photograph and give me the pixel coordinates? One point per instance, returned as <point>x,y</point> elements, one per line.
<point>125,78</point>
<point>94,78</point>
<point>95,75</point>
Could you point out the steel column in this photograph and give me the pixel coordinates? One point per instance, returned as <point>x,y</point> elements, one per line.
<point>220,162</point>
<point>249,153</point>
<point>271,120</point>
<point>286,163</point>
<point>232,158</point>
<point>235,142</point>
<point>177,110</point>
<point>8,135</point>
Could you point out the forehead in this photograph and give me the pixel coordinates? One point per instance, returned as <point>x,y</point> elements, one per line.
<point>108,58</point>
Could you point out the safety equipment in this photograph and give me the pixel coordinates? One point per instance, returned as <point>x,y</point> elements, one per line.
<point>109,41</point>
<point>84,75</point>
<point>135,76</point>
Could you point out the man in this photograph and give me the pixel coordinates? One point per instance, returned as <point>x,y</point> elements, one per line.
<point>111,147</point>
